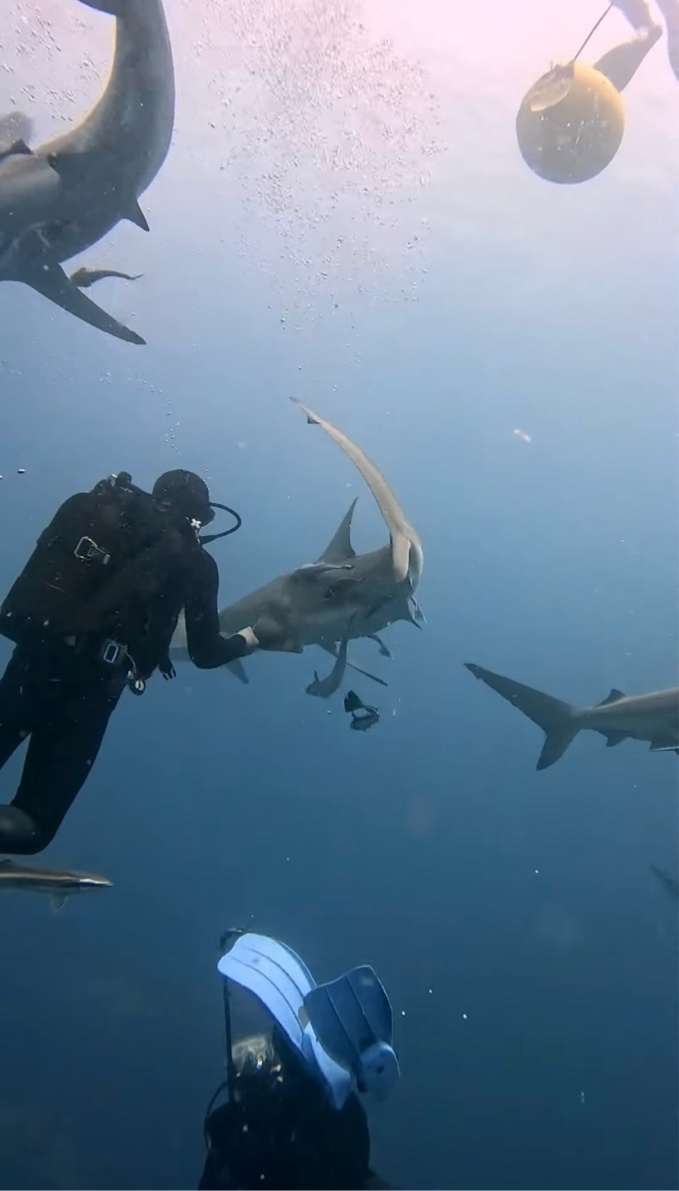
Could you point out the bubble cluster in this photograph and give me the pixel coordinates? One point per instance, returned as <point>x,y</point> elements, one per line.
<point>330,137</point>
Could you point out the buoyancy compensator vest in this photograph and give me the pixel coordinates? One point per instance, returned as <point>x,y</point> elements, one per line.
<point>91,538</point>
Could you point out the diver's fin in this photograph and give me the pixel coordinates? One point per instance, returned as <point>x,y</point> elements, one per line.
<point>339,549</point>
<point>621,63</point>
<point>57,900</point>
<point>238,670</point>
<point>556,718</point>
<point>52,282</point>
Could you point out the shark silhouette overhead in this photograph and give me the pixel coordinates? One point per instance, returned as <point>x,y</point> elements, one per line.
<point>61,198</point>
<point>653,717</point>
<point>343,595</point>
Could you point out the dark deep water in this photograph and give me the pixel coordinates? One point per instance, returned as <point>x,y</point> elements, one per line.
<point>531,957</point>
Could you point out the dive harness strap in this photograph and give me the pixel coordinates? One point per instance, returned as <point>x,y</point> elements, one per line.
<point>111,653</point>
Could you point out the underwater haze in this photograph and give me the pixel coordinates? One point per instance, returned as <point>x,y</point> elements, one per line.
<point>344,217</point>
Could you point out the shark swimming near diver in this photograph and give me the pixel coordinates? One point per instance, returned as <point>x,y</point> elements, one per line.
<point>58,884</point>
<point>653,717</point>
<point>62,197</point>
<point>342,596</point>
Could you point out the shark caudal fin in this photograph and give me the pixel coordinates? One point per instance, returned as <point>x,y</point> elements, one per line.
<point>558,720</point>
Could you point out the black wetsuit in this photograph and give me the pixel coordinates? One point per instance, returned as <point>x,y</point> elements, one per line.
<point>61,690</point>
<point>288,1137</point>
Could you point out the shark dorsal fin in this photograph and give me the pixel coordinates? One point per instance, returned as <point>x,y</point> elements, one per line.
<point>340,548</point>
<point>612,698</point>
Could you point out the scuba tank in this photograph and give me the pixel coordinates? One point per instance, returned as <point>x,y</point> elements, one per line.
<point>92,536</point>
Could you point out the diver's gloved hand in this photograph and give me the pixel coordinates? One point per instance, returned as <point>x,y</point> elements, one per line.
<point>167,669</point>
<point>276,635</point>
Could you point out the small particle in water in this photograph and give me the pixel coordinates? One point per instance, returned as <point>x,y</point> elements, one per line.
<point>519,433</point>
<point>464,1017</point>
<point>582,1097</point>
<point>403,1013</point>
<point>430,991</point>
<point>537,870</point>
<point>21,471</point>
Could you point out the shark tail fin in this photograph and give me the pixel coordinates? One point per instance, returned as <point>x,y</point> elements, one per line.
<point>558,720</point>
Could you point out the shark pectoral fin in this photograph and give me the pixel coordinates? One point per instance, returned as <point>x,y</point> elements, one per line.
<point>135,215</point>
<point>418,615</point>
<point>52,282</point>
<point>323,688</point>
<point>57,900</point>
<point>613,738</point>
<point>384,649</point>
<point>238,670</point>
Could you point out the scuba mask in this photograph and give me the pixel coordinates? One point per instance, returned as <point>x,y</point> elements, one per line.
<point>168,491</point>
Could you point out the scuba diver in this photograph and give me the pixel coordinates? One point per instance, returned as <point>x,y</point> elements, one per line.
<point>571,122</point>
<point>93,611</point>
<point>293,1117</point>
<point>639,16</point>
<point>363,716</point>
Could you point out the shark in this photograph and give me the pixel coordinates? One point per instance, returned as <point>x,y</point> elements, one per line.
<point>85,277</point>
<point>653,717</point>
<point>62,197</point>
<point>342,596</point>
<point>58,884</point>
<point>669,883</point>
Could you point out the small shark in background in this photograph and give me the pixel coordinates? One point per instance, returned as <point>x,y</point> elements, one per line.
<point>653,717</point>
<point>58,884</point>
<point>62,197</point>
<point>84,277</point>
<point>669,883</point>
<point>343,596</point>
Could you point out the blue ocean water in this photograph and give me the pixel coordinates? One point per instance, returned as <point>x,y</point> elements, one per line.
<point>428,310</point>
